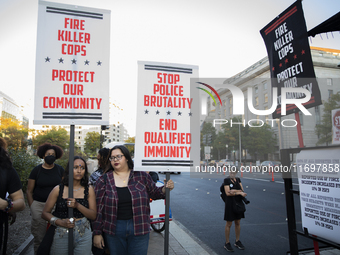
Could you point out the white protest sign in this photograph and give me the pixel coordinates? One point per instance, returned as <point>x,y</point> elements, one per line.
<point>319,185</point>
<point>336,126</point>
<point>168,109</point>
<point>72,65</point>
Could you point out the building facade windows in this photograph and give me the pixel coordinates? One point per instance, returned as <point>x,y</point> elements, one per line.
<point>265,85</point>
<point>330,93</point>
<point>329,82</point>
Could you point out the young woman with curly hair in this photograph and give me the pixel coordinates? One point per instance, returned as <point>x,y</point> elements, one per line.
<point>41,181</point>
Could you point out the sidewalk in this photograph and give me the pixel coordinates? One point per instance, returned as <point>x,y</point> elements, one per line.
<point>180,243</point>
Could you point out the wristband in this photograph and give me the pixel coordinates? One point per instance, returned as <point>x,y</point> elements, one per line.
<point>53,220</point>
<point>9,206</point>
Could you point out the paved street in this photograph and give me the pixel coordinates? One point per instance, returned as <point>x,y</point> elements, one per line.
<point>195,203</point>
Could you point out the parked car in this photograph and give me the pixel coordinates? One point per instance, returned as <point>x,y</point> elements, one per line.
<point>212,162</point>
<point>203,163</point>
<point>170,172</point>
<point>225,162</point>
<point>271,163</point>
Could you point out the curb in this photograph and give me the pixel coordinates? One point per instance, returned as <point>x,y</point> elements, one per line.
<point>188,240</point>
<point>23,248</point>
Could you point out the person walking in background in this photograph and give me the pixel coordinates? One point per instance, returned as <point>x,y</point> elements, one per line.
<point>234,190</point>
<point>41,181</point>
<point>102,157</point>
<point>9,182</point>
<point>84,205</point>
<point>123,210</point>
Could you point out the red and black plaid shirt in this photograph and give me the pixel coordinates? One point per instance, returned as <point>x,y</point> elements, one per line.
<point>141,187</point>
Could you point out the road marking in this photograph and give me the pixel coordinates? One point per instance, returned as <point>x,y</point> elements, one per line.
<point>265,180</point>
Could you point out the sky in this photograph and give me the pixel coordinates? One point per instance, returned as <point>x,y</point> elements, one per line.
<point>220,36</point>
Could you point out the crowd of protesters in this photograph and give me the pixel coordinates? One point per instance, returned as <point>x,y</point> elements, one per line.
<point>111,210</point>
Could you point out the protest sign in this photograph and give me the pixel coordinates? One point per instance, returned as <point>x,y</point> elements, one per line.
<point>290,59</point>
<point>72,65</point>
<point>167,130</point>
<point>319,186</point>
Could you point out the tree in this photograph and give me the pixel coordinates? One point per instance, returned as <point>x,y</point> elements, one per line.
<point>92,143</point>
<point>23,163</point>
<point>130,140</point>
<point>14,133</point>
<point>230,137</point>
<point>208,130</point>
<point>260,141</point>
<point>54,136</point>
<point>324,130</point>
<point>131,148</point>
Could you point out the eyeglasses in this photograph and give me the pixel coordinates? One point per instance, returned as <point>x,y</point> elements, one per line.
<point>118,157</point>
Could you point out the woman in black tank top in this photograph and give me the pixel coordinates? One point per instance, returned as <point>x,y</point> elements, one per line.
<point>84,209</point>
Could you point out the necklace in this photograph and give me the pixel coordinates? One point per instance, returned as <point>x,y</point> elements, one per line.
<point>124,179</point>
<point>77,189</point>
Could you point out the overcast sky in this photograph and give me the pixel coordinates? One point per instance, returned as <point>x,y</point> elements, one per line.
<point>220,36</point>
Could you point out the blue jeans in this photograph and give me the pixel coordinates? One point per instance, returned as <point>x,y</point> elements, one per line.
<point>81,243</point>
<point>125,242</point>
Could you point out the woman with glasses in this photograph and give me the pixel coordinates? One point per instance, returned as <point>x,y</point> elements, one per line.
<point>123,208</point>
<point>84,209</point>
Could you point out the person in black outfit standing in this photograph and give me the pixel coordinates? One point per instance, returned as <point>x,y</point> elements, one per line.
<point>41,181</point>
<point>234,190</point>
<point>9,182</point>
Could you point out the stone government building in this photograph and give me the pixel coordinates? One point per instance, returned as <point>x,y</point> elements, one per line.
<point>327,70</point>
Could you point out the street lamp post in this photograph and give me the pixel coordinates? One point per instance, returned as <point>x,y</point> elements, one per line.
<point>239,141</point>
<point>227,151</point>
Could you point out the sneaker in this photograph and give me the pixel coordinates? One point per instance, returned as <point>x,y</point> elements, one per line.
<point>228,247</point>
<point>239,245</point>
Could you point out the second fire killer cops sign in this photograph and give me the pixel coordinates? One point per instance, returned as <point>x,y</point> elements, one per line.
<point>290,58</point>
<point>167,130</point>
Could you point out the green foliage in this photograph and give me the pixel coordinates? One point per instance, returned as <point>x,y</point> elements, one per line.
<point>54,136</point>
<point>260,141</point>
<point>13,132</point>
<point>324,130</point>
<point>208,129</point>
<point>64,159</point>
<point>92,143</point>
<point>131,148</point>
<point>23,163</point>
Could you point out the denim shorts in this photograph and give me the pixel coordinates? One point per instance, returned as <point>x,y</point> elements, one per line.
<point>82,239</point>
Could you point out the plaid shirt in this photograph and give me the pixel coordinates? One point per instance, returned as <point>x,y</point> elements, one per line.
<point>141,187</point>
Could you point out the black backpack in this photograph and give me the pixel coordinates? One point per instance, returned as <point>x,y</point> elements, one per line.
<point>222,192</point>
